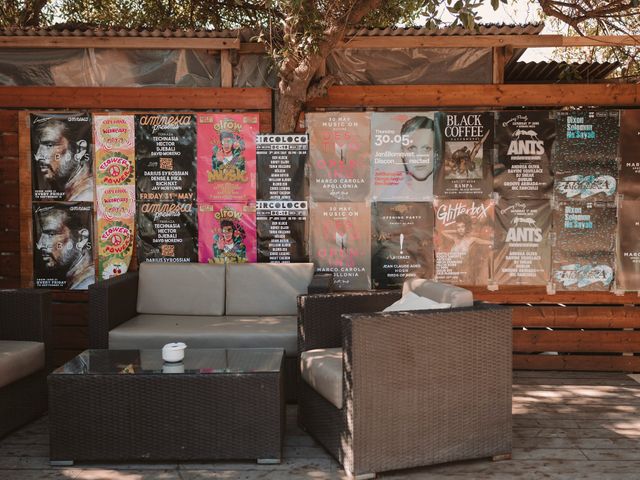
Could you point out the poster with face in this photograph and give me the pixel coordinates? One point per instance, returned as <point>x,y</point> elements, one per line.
<point>227,157</point>
<point>339,156</point>
<point>167,232</point>
<point>165,157</point>
<point>61,153</point>
<point>227,233</point>
<point>522,168</point>
<point>281,167</point>
<point>401,242</point>
<point>463,241</point>
<point>583,255</point>
<point>522,254</point>
<point>586,137</point>
<point>402,151</point>
<point>63,245</point>
<point>630,153</point>
<point>339,242</point>
<point>587,183</point>
<point>282,231</point>
<point>628,246</point>
<point>464,146</point>
<point>114,137</point>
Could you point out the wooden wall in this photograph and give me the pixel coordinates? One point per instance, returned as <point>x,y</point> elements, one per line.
<point>9,204</point>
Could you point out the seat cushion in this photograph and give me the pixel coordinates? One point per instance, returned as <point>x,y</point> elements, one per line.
<point>439,292</point>
<point>411,301</point>
<point>181,289</point>
<point>19,359</point>
<point>266,288</point>
<point>243,331</point>
<point>322,369</point>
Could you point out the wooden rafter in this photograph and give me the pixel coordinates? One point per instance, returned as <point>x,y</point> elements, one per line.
<point>154,43</point>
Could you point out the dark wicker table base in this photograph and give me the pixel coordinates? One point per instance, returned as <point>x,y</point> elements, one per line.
<point>179,417</point>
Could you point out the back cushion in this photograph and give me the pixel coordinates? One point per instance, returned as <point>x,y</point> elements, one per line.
<point>181,288</point>
<point>439,292</point>
<point>266,288</point>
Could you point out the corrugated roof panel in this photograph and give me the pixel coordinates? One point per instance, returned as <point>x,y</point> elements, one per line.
<point>555,72</point>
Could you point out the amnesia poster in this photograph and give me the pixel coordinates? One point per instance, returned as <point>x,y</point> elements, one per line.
<point>628,246</point>
<point>630,154</point>
<point>464,149</point>
<point>522,168</point>
<point>339,242</point>
<point>401,242</point>
<point>339,156</point>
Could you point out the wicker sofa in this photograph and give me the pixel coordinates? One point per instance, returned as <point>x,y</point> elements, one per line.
<point>385,391</point>
<point>205,306</point>
<point>25,356</point>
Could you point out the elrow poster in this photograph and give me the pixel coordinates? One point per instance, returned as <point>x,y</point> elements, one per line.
<point>463,241</point>
<point>226,233</point>
<point>630,154</point>
<point>166,157</point>
<point>339,156</point>
<point>522,247</point>
<point>583,254</point>
<point>227,157</point>
<point>401,242</point>
<point>464,154</point>
<point>587,137</point>
<point>339,242</point>
<point>628,247</point>
<point>522,168</point>
<point>402,156</point>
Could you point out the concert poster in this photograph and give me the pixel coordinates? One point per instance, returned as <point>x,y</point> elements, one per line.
<point>226,233</point>
<point>339,156</point>
<point>402,156</point>
<point>463,241</point>
<point>628,246</point>
<point>281,166</point>
<point>282,231</point>
<point>630,152</point>
<point>339,242</point>
<point>116,214</point>
<point>587,182</point>
<point>401,242</point>
<point>114,137</point>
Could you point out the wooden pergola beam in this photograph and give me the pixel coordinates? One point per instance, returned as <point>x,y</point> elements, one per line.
<point>472,96</point>
<point>154,43</point>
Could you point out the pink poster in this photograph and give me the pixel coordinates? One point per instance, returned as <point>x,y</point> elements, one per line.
<point>226,233</point>
<point>227,157</point>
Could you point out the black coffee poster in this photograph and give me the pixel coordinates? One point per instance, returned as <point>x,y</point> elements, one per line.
<point>401,242</point>
<point>464,154</point>
<point>628,248</point>
<point>281,166</point>
<point>165,157</point>
<point>522,168</point>
<point>167,232</point>
<point>522,249</point>
<point>583,254</point>
<point>630,154</point>
<point>282,231</point>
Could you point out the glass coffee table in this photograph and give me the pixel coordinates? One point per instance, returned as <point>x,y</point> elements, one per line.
<point>129,405</point>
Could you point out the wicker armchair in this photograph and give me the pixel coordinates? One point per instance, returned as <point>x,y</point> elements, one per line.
<point>418,388</point>
<point>25,324</point>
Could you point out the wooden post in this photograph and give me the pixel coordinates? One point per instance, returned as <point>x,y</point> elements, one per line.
<point>498,64</point>
<point>226,69</point>
<point>26,217</point>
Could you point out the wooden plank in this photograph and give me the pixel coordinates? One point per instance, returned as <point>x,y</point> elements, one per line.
<point>9,169</point>
<point>226,69</point>
<point>9,144</point>
<point>155,43</point>
<point>608,363</point>
<point>9,242</point>
<point>8,121</point>
<point>9,265</point>
<point>9,219</point>
<point>70,314</point>
<point>70,337</point>
<point>576,341</point>
<point>133,98</point>
<point>9,194</point>
<point>577,317</point>
<point>490,96</point>
<point>266,121</point>
<point>498,64</point>
<point>538,295</point>
<point>26,218</point>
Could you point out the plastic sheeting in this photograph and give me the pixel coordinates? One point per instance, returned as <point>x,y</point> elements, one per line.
<point>109,68</point>
<point>254,70</point>
<point>402,66</point>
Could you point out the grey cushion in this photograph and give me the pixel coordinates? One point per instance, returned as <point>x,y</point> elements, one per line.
<point>266,288</point>
<point>19,359</point>
<point>153,331</point>
<point>439,292</point>
<point>181,288</point>
<point>322,369</point>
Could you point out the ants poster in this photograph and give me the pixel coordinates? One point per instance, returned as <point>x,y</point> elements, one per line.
<point>522,254</point>
<point>583,254</point>
<point>165,157</point>
<point>339,156</point>
<point>464,154</point>
<point>226,233</point>
<point>401,242</point>
<point>522,168</point>
<point>586,137</point>
<point>463,241</point>
<point>340,242</point>
<point>227,157</point>
<point>628,248</point>
<point>167,232</point>
<point>630,153</point>
<point>402,156</point>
